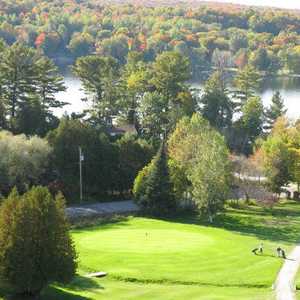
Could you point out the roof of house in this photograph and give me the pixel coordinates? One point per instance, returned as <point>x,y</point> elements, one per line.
<point>121,129</point>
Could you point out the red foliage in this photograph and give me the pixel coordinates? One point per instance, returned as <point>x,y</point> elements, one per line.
<point>40,39</point>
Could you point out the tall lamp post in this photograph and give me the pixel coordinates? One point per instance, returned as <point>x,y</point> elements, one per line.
<point>81,159</point>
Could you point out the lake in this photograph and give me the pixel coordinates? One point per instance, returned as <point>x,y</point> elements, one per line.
<point>288,87</point>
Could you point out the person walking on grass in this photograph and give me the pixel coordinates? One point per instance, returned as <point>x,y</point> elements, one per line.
<point>281,253</point>
<point>259,249</point>
<point>278,251</point>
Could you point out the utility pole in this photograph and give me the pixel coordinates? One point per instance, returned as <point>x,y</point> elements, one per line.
<point>81,159</point>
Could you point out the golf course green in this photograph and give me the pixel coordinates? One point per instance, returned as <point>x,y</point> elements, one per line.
<point>184,257</point>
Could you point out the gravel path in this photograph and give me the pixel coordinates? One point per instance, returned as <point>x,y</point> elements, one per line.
<point>101,209</point>
<point>285,283</point>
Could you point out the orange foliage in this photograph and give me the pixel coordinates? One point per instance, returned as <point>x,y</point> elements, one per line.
<point>40,39</point>
<point>130,43</point>
<point>143,42</point>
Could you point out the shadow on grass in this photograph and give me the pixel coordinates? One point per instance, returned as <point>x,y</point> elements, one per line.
<point>50,293</point>
<point>279,224</point>
<point>57,292</point>
<point>104,222</point>
<point>80,283</point>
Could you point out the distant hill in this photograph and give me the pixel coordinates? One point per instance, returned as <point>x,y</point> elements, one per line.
<point>193,4</point>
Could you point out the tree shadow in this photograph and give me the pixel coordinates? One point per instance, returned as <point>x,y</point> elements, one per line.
<point>81,283</point>
<point>105,223</point>
<point>273,225</point>
<point>57,291</point>
<point>50,293</point>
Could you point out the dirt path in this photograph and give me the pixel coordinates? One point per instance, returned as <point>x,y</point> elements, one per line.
<point>101,209</point>
<point>285,283</point>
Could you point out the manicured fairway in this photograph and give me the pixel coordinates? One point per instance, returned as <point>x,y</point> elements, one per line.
<point>183,258</point>
<point>148,250</point>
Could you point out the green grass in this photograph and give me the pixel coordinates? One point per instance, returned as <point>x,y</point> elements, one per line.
<point>155,251</point>
<point>183,257</point>
<point>104,289</point>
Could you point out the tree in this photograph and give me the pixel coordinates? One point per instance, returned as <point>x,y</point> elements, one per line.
<point>134,82</point>
<point>277,162</point>
<point>99,154</point>
<point>134,153</point>
<point>18,77</point>
<point>115,47</point>
<point>49,83</point>
<point>23,161</point>
<point>275,110</point>
<point>81,44</point>
<point>153,115</point>
<point>260,59</point>
<point>201,154</point>
<point>34,240</point>
<point>238,41</point>
<point>99,79</point>
<point>3,121</point>
<point>170,72</point>
<point>217,106</point>
<point>153,192</point>
<point>249,127</point>
<point>265,60</point>
<point>247,82</point>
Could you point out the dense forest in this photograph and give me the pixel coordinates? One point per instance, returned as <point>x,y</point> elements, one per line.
<point>135,64</point>
<point>207,34</point>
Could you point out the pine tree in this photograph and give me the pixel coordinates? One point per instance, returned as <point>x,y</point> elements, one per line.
<point>247,82</point>
<point>18,78</point>
<point>35,245</point>
<point>155,193</point>
<point>217,106</point>
<point>48,84</point>
<point>276,110</point>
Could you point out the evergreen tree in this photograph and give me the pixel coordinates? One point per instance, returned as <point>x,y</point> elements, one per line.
<point>248,127</point>
<point>98,76</point>
<point>155,193</point>
<point>170,72</point>
<point>247,82</point>
<point>275,110</point>
<point>49,83</point>
<point>35,245</point>
<point>217,106</point>
<point>18,78</point>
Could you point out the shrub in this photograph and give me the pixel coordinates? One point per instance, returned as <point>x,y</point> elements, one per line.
<point>35,246</point>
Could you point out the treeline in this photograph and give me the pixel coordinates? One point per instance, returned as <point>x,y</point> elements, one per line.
<point>109,167</point>
<point>149,98</point>
<point>207,35</point>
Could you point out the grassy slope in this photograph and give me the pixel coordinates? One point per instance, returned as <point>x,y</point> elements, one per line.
<point>160,259</point>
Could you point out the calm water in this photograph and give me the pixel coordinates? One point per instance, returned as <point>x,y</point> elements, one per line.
<point>289,88</point>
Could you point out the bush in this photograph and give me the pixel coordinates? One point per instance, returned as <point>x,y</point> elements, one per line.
<point>23,161</point>
<point>35,246</point>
